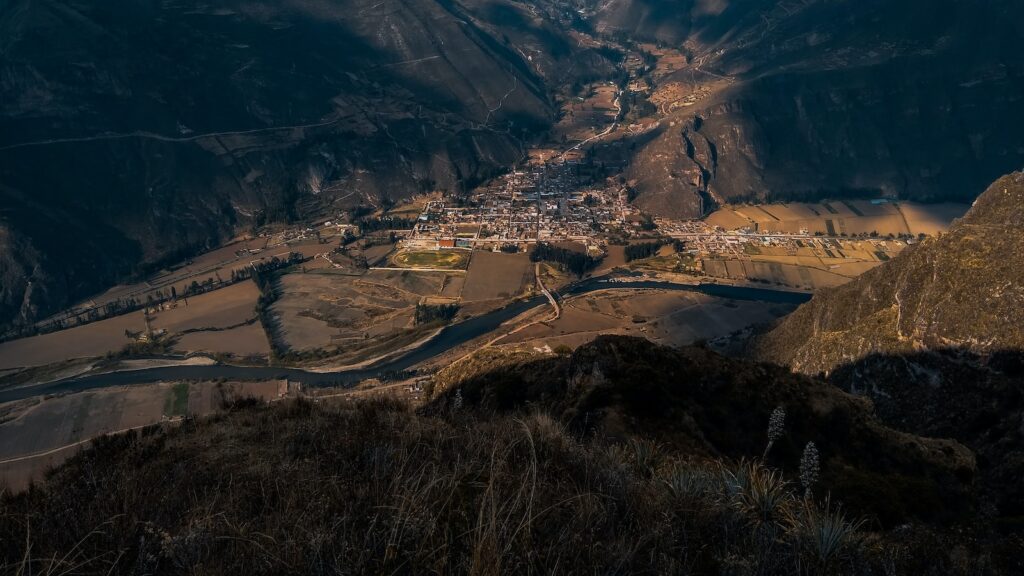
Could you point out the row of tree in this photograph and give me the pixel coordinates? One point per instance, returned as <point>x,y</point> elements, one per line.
<point>266,281</point>
<point>641,251</point>
<point>157,297</point>
<point>368,225</point>
<point>577,263</point>
<point>648,249</point>
<point>427,313</point>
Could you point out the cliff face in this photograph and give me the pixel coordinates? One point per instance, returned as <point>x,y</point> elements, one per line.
<point>962,290</point>
<point>843,98</point>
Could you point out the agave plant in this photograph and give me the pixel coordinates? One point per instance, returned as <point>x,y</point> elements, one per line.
<point>809,468</point>
<point>692,481</point>
<point>734,481</point>
<point>761,493</point>
<point>822,532</point>
<point>776,426</point>
<point>645,454</point>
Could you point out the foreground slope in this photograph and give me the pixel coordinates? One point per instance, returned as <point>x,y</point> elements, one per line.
<point>708,406</point>
<point>620,458</point>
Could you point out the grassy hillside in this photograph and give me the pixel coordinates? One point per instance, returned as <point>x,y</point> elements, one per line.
<point>373,488</point>
<point>653,481</point>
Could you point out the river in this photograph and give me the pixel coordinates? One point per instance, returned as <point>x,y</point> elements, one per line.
<point>447,339</point>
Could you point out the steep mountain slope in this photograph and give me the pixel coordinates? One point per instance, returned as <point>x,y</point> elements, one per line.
<point>934,338</point>
<point>651,20</point>
<point>810,99</point>
<point>962,290</point>
<point>131,132</point>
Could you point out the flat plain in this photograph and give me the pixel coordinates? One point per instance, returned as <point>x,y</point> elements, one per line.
<point>228,307</point>
<point>850,217</point>
<point>494,275</point>
<point>325,311</point>
<point>668,317</point>
<point>246,341</point>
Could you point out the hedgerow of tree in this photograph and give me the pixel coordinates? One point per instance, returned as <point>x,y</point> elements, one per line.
<point>571,261</point>
<point>427,313</point>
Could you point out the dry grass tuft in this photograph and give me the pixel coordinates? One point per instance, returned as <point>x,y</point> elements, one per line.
<point>373,488</point>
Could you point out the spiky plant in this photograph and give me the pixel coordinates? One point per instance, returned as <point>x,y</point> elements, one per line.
<point>822,533</point>
<point>690,481</point>
<point>763,494</point>
<point>734,481</point>
<point>645,455</point>
<point>776,425</point>
<point>809,468</point>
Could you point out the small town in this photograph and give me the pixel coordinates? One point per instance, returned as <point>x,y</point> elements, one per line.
<point>532,204</point>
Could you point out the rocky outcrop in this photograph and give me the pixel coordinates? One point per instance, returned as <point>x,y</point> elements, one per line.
<point>934,339</point>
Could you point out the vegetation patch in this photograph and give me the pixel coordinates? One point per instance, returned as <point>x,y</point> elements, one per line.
<point>443,259</point>
<point>441,313</point>
<point>177,400</point>
<point>571,261</point>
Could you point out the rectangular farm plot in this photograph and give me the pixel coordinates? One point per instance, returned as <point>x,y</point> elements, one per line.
<point>931,218</point>
<point>322,311</point>
<point>495,275</point>
<point>452,284</point>
<point>416,282</point>
<point>243,341</point>
<point>783,274</point>
<point>224,308</point>
<point>728,219</point>
<point>219,309</point>
<point>850,217</point>
<point>95,339</point>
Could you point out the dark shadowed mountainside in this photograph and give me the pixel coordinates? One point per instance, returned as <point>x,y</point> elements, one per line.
<point>813,99</point>
<point>134,133</point>
<point>709,406</point>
